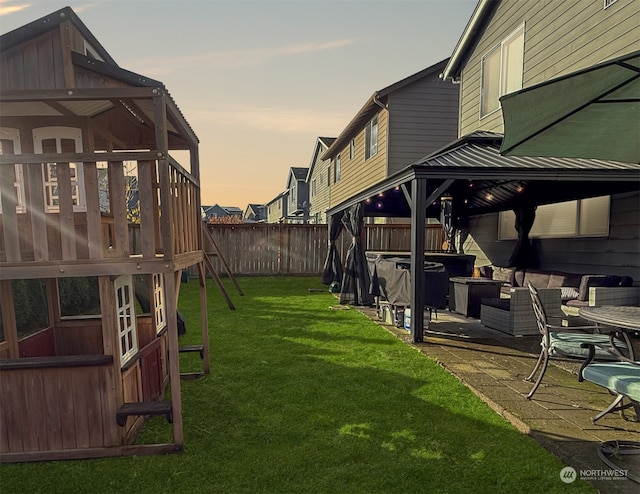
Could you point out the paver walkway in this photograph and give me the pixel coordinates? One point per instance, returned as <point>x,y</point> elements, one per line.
<point>493,365</point>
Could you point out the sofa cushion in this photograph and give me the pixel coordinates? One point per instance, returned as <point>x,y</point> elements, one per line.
<point>574,302</point>
<point>557,280</point>
<point>518,277</point>
<point>498,303</point>
<point>539,279</point>
<point>590,280</point>
<point>568,293</point>
<point>503,274</point>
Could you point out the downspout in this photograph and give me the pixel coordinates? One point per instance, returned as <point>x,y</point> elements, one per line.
<point>384,107</point>
<point>378,102</point>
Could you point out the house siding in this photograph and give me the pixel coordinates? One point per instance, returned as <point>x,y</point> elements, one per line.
<point>321,200</point>
<point>357,174</point>
<point>560,37</point>
<point>422,118</point>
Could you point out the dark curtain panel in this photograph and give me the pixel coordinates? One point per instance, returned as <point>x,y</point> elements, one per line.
<point>355,282</point>
<point>333,265</point>
<point>523,255</point>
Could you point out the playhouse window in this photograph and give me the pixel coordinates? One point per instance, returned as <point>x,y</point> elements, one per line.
<point>55,140</point>
<point>125,307</point>
<point>158,302</point>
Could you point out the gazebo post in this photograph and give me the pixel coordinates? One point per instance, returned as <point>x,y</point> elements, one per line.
<point>418,219</point>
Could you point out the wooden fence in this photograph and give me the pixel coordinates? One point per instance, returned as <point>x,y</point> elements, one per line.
<point>290,249</point>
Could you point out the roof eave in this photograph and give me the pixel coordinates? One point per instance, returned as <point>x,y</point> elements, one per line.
<point>474,27</point>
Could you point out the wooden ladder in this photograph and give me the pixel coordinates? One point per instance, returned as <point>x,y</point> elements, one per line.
<point>212,270</point>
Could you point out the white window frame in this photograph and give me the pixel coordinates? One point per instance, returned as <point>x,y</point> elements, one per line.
<point>562,220</point>
<point>371,138</point>
<point>352,148</point>
<point>609,3</point>
<point>50,181</point>
<point>159,305</point>
<point>503,73</point>
<point>337,168</point>
<point>13,135</point>
<point>126,316</point>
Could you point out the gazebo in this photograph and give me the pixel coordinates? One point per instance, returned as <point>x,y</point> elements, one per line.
<point>477,180</point>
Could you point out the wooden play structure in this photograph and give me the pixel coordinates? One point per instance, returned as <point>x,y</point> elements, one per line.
<point>87,148</point>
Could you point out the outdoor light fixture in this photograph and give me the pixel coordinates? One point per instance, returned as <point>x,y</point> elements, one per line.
<point>446,219</point>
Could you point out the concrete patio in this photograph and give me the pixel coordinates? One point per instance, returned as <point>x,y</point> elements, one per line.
<point>493,365</point>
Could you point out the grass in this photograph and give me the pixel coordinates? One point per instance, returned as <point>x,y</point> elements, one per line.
<point>304,399</point>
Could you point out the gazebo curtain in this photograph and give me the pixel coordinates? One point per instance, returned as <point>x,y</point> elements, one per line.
<point>523,255</point>
<point>332,265</point>
<point>355,282</point>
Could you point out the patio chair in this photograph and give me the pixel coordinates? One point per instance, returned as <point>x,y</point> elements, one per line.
<point>621,378</point>
<point>564,342</point>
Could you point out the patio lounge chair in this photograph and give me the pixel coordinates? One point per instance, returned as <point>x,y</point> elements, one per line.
<point>565,342</point>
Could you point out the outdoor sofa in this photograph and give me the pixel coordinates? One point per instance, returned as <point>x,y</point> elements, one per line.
<point>562,293</point>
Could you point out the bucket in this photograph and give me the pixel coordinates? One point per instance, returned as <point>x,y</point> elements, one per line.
<point>407,319</point>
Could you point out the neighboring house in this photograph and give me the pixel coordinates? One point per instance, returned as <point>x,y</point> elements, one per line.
<point>64,98</point>
<point>396,126</point>
<point>255,212</point>
<point>216,211</point>
<point>298,203</point>
<point>277,208</point>
<point>508,45</point>
<point>319,181</point>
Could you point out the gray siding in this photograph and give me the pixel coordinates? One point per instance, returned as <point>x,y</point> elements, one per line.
<point>423,117</point>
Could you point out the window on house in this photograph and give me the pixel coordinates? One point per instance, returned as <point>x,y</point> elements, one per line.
<point>158,302</point>
<point>608,3</point>
<point>583,218</point>
<point>329,177</point>
<point>125,307</point>
<point>502,70</point>
<point>337,165</point>
<point>352,148</point>
<point>313,188</point>
<point>10,144</point>
<point>54,140</point>
<point>371,138</point>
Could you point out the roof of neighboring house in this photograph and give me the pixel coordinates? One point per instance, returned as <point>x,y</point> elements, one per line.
<point>322,144</point>
<point>472,32</point>
<point>232,209</point>
<point>280,195</point>
<point>108,67</point>
<point>377,100</point>
<point>299,173</point>
<point>327,141</point>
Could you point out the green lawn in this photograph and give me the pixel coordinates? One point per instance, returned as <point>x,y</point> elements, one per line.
<point>304,399</point>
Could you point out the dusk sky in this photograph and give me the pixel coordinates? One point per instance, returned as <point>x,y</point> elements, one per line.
<point>260,80</point>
